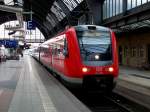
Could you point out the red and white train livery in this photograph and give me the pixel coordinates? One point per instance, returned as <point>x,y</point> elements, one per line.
<point>82,55</point>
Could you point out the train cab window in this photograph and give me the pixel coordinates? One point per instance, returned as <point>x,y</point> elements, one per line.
<point>95,45</point>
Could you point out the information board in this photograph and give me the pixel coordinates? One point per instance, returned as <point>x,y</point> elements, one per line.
<point>9,43</point>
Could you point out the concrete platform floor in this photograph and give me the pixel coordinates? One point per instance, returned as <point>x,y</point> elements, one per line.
<point>25,86</point>
<point>134,84</point>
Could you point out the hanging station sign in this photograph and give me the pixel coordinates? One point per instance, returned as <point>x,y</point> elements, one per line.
<point>31,25</point>
<point>9,43</point>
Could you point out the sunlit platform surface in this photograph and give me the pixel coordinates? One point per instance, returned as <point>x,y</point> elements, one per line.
<point>25,86</point>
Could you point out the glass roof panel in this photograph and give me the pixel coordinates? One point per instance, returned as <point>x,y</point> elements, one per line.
<point>51,20</point>
<point>9,2</point>
<point>33,34</point>
<point>56,9</point>
<point>79,1</point>
<point>20,2</point>
<point>71,4</point>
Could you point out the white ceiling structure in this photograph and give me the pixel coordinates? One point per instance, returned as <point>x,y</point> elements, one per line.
<point>33,34</point>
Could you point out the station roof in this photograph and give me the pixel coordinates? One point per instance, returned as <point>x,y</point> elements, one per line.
<point>138,26</point>
<point>51,16</point>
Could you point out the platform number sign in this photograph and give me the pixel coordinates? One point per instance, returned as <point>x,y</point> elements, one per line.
<point>31,25</point>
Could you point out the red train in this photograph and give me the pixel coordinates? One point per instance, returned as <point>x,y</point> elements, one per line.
<point>82,55</point>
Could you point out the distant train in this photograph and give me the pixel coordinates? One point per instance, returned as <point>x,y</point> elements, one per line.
<point>83,55</point>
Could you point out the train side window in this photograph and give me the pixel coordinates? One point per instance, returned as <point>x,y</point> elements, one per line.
<point>65,50</point>
<point>54,49</point>
<point>60,46</point>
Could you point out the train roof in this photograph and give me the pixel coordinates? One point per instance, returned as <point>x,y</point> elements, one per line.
<point>79,28</point>
<point>92,27</point>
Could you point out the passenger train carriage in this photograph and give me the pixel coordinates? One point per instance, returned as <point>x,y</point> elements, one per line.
<point>82,55</point>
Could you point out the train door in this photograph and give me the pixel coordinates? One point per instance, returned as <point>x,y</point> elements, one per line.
<point>50,54</point>
<point>54,55</point>
<point>120,55</point>
<point>148,53</point>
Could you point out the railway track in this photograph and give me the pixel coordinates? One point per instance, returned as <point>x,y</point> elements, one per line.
<point>116,102</point>
<point>98,102</point>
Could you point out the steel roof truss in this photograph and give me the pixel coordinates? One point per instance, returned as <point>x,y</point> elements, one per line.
<point>56,9</point>
<point>51,20</point>
<point>79,1</point>
<point>71,4</point>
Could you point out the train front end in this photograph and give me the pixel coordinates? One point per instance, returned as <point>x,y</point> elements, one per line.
<point>99,61</point>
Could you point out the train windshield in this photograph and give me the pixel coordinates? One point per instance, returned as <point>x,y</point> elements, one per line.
<point>95,46</point>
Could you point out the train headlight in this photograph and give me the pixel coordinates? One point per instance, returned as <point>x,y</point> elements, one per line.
<point>84,69</point>
<point>110,69</point>
<point>96,57</point>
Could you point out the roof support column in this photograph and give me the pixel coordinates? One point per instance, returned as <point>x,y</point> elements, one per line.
<point>124,6</point>
<point>96,11</point>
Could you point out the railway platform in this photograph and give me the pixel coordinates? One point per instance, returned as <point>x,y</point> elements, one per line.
<point>135,85</point>
<point>25,86</point>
